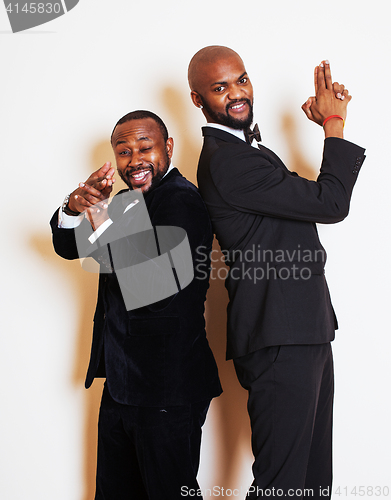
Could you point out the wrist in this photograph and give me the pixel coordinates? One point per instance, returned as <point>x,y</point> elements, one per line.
<point>333,126</point>
<point>69,209</point>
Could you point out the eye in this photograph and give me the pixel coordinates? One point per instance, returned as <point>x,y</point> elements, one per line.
<point>219,89</point>
<point>143,150</point>
<point>243,80</point>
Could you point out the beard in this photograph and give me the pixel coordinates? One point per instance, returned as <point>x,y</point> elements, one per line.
<point>229,121</point>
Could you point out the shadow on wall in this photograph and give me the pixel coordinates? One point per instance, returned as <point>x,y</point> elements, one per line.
<point>296,162</point>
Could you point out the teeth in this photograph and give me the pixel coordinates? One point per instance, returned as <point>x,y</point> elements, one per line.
<point>236,106</point>
<point>140,175</point>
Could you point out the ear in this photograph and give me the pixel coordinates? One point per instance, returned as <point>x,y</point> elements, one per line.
<point>196,98</point>
<point>170,147</point>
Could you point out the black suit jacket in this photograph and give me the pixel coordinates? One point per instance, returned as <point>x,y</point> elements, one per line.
<point>264,218</point>
<point>156,355</point>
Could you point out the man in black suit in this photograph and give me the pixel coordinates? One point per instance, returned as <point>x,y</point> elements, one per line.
<point>280,317</point>
<point>160,372</point>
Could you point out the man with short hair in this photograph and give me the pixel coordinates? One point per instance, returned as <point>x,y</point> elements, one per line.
<point>160,372</point>
<point>280,317</point>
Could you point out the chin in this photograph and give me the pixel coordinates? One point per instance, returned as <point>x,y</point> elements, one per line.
<point>145,189</point>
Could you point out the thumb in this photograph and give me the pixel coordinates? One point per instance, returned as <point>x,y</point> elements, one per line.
<point>306,107</point>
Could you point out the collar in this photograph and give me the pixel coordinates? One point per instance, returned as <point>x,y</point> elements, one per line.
<point>233,131</point>
<point>168,170</point>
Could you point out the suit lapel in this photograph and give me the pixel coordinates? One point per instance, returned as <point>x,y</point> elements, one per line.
<point>227,137</point>
<point>221,134</point>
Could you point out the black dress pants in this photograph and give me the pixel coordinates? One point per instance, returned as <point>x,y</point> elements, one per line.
<point>290,404</point>
<point>147,453</point>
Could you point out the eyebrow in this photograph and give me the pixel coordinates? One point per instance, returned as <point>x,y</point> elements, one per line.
<point>117,143</point>
<point>225,83</point>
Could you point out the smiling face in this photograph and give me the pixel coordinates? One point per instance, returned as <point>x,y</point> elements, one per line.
<point>223,88</point>
<point>141,153</point>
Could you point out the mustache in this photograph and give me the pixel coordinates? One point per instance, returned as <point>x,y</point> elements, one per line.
<point>237,101</point>
<point>133,170</point>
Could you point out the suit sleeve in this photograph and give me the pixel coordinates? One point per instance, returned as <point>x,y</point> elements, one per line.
<point>254,182</point>
<point>64,240</point>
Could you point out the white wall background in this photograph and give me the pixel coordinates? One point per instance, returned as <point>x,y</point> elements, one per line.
<point>63,86</point>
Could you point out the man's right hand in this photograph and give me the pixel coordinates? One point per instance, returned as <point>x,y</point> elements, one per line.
<point>96,189</point>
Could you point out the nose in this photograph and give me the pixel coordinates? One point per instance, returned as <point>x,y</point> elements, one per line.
<point>235,92</point>
<point>135,160</point>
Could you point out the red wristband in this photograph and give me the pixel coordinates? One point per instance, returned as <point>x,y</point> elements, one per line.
<point>333,116</point>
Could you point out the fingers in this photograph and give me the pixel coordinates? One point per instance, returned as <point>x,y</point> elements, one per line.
<point>85,197</point>
<point>320,80</point>
<point>327,75</point>
<point>90,193</point>
<point>101,183</point>
<point>346,95</point>
<point>316,79</point>
<point>343,95</point>
<point>340,91</point>
<point>323,77</point>
<point>104,172</point>
<point>338,88</point>
<point>104,169</point>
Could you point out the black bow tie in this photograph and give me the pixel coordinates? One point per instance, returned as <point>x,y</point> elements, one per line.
<point>252,134</point>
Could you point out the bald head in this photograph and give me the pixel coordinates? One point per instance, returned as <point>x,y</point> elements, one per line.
<point>220,87</point>
<point>203,58</point>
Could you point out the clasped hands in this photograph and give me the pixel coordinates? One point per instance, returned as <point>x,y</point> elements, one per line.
<point>92,195</point>
<point>330,99</point>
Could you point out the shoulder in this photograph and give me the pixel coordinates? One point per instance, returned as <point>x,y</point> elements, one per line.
<point>176,188</point>
<point>176,194</point>
<point>235,160</point>
<point>177,202</point>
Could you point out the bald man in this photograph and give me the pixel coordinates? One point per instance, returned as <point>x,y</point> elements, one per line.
<point>280,317</point>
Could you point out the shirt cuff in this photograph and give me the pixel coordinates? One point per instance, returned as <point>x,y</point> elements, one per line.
<point>69,221</point>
